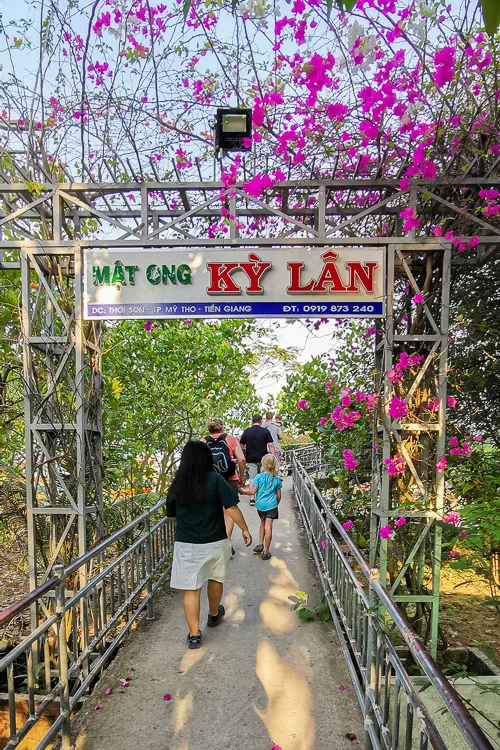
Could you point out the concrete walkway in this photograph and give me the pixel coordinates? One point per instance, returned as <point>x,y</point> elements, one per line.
<point>261,678</point>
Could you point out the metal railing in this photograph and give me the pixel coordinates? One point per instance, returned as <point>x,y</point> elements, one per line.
<point>109,587</point>
<point>395,716</point>
<point>311,456</point>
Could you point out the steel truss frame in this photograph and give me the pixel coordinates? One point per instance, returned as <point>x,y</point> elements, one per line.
<point>44,235</point>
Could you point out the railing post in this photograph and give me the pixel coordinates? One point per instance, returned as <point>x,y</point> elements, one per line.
<point>149,567</point>
<point>62,647</point>
<point>371,646</point>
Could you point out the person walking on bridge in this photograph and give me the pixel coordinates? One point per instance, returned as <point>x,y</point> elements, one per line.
<point>275,430</point>
<point>196,500</point>
<point>229,462</point>
<point>258,441</point>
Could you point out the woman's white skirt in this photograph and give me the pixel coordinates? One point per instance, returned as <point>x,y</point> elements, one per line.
<point>195,564</point>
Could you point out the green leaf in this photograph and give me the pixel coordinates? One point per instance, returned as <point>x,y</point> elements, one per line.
<point>305,614</point>
<point>461,563</point>
<point>491,15</point>
<point>186,8</point>
<point>362,542</point>
<point>234,5</point>
<point>301,595</point>
<point>37,670</point>
<point>491,603</point>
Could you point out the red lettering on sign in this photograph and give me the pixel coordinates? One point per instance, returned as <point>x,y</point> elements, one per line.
<point>295,287</point>
<point>364,272</point>
<point>329,276</point>
<point>220,276</point>
<point>255,269</point>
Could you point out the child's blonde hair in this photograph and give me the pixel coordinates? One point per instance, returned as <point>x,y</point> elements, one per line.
<point>270,464</point>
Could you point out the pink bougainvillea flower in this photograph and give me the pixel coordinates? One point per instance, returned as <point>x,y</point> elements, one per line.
<point>323,421</point>
<point>377,447</point>
<point>350,462</point>
<point>167,697</point>
<point>397,408</point>
<point>302,404</point>
<point>276,747</point>
<point>133,669</point>
<point>452,517</point>
<point>395,465</point>
<point>453,442</point>
<point>400,521</point>
<point>445,61</point>
<point>411,220</point>
<point>418,298</point>
<point>341,687</point>
<point>433,404</point>
<point>455,553</point>
<point>97,708</point>
<point>386,532</point>
<point>343,419</point>
<point>180,671</point>
<point>441,464</point>
<point>451,401</point>
<point>147,326</point>
<point>463,534</point>
<point>478,438</point>
<point>324,544</point>
<point>108,691</point>
<point>347,525</point>
<point>188,322</point>
<point>125,683</point>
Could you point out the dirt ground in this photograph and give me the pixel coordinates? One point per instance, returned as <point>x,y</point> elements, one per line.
<point>463,617</point>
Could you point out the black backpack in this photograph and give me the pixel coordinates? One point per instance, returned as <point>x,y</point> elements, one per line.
<point>221,455</point>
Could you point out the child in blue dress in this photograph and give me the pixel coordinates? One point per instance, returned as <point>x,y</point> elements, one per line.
<point>266,487</point>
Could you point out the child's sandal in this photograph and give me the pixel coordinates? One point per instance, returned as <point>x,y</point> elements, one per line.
<point>267,556</point>
<point>259,549</point>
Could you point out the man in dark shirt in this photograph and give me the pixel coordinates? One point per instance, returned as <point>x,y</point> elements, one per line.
<point>258,441</point>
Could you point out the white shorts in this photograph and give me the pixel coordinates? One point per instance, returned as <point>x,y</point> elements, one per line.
<point>195,564</point>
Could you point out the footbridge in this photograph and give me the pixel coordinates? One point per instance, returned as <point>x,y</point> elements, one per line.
<point>106,666</point>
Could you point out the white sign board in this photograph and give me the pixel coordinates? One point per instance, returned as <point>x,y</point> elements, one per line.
<point>234,283</point>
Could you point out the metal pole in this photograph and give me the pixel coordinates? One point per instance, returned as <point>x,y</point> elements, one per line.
<point>28,436</point>
<point>63,656</point>
<point>440,446</point>
<point>149,567</point>
<point>371,645</point>
<point>80,405</point>
<point>385,490</point>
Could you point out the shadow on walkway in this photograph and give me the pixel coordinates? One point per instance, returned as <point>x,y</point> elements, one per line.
<point>261,678</point>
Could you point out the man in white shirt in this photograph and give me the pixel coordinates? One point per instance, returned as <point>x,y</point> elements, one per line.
<point>275,430</point>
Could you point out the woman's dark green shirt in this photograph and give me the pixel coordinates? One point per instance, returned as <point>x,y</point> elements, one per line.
<point>204,523</point>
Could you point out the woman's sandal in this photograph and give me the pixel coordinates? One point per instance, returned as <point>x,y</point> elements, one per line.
<point>267,556</point>
<point>194,641</point>
<point>259,549</point>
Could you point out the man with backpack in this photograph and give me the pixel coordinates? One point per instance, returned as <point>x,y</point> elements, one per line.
<point>257,441</point>
<point>229,462</point>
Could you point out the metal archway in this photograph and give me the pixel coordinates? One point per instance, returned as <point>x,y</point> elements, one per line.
<point>62,356</point>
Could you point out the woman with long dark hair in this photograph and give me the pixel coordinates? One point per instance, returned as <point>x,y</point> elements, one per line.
<point>196,499</point>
